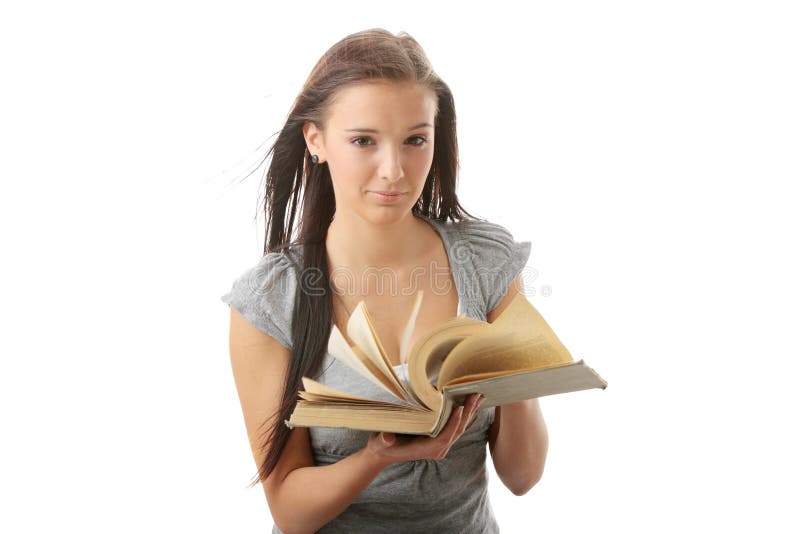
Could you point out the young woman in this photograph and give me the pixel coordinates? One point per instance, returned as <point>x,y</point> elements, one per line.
<point>369,155</point>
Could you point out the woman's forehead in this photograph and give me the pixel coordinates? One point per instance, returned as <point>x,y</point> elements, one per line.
<point>382,102</point>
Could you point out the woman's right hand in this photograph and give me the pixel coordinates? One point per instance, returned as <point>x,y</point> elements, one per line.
<point>388,449</point>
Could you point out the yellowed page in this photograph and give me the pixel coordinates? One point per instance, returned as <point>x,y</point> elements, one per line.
<point>519,339</point>
<point>362,332</point>
<point>320,393</point>
<point>375,419</point>
<point>318,388</point>
<point>476,377</point>
<point>354,358</point>
<point>405,342</point>
<point>431,349</point>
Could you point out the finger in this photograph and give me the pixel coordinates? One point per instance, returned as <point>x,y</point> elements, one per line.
<point>459,429</point>
<point>474,405</point>
<point>453,423</point>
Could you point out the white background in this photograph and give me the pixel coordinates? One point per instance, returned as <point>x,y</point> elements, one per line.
<point>648,150</point>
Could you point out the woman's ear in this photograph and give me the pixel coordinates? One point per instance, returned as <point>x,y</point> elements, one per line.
<point>314,140</point>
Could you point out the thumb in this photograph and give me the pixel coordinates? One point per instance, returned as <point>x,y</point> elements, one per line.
<point>388,439</point>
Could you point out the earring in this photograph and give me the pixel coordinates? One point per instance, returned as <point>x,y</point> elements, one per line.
<point>314,159</point>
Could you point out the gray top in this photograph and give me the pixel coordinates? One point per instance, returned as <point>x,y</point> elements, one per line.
<point>448,495</point>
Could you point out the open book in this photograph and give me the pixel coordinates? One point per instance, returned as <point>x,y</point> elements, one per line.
<point>517,357</point>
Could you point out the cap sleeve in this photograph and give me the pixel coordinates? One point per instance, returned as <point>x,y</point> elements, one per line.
<point>496,259</point>
<point>264,295</point>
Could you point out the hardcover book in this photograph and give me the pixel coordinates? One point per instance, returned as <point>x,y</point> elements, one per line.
<point>514,358</point>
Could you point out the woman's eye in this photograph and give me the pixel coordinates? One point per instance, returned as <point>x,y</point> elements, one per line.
<point>419,141</point>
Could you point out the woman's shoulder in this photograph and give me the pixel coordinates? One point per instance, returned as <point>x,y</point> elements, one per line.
<point>488,254</point>
<point>264,294</point>
<point>483,241</point>
<point>268,275</point>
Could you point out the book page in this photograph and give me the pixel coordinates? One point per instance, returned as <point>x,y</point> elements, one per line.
<point>405,341</point>
<point>500,355</point>
<point>431,349</point>
<point>519,339</point>
<point>355,359</point>
<point>362,331</point>
<point>320,393</point>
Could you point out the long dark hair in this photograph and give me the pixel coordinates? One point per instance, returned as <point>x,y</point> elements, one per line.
<point>369,55</point>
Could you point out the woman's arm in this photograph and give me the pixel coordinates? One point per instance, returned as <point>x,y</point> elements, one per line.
<point>518,437</point>
<point>310,497</point>
<point>327,491</point>
<point>302,497</point>
<point>518,444</point>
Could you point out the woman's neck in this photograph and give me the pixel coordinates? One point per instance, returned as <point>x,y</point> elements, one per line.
<point>355,243</point>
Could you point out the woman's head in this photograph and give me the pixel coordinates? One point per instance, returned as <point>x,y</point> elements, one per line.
<point>371,79</point>
<point>390,70</point>
<point>377,136</point>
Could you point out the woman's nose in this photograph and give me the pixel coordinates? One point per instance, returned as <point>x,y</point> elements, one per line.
<point>391,165</point>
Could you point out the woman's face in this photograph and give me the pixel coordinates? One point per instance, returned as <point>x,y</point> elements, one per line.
<point>378,137</point>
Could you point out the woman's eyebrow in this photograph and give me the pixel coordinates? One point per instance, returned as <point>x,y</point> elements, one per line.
<point>371,130</point>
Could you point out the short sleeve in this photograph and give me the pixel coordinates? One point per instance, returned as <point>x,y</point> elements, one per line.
<point>496,259</point>
<point>264,295</point>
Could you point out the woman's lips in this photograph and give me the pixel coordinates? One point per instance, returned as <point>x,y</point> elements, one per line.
<point>386,197</point>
